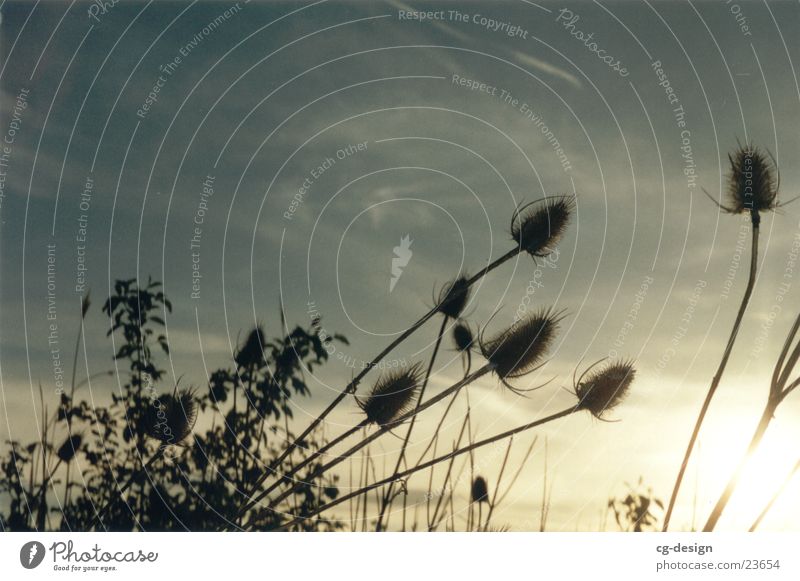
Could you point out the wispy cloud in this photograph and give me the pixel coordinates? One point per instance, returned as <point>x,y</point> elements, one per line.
<point>545,67</point>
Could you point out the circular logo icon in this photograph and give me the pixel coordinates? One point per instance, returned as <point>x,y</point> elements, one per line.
<point>31,554</point>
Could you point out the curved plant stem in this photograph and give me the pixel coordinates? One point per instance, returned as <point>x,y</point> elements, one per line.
<point>755,220</point>
<point>775,497</point>
<point>429,463</point>
<point>388,494</point>
<point>156,455</point>
<point>351,387</point>
<point>758,435</point>
<point>454,389</point>
<point>315,455</point>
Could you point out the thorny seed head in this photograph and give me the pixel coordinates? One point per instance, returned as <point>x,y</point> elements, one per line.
<point>393,395</point>
<point>519,349</point>
<point>252,352</point>
<point>453,297</point>
<point>462,336</point>
<point>752,181</point>
<point>480,490</point>
<point>171,418</point>
<point>66,452</point>
<point>604,389</point>
<point>537,227</point>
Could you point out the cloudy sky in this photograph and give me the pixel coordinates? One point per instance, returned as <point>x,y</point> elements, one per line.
<point>331,131</point>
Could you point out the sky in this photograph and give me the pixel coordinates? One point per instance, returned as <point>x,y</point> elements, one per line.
<point>325,133</point>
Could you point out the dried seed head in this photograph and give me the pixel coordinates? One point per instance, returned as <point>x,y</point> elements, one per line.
<point>252,352</point>
<point>537,227</point>
<point>171,418</point>
<point>480,490</point>
<point>393,395</point>
<point>752,181</point>
<point>453,297</point>
<point>85,304</point>
<point>462,336</point>
<point>69,448</point>
<point>604,389</point>
<point>519,349</point>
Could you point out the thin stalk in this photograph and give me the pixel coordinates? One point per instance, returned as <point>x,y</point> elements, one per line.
<point>758,435</point>
<point>775,497</point>
<point>68,414</point>
<point>388,494</point>
<point>406,473</point>
<point>351,387</point>
<point>157,454</point>
<point>432,521</point>
<point>454,389</point>
<point>492,501</point>
<point>755,220</point>
<point>499,501</point>
<point>434,440</point>
<point>315,455</point>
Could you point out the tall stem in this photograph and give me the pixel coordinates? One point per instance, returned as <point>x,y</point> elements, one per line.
<point>292,471</point>
<point>351,387</point>
<point>454,389</point>
<point>775,497</point>
<point>68,412</point>
<point>100,513</point>
<point>388,494</point>
<point>755,220</point>
<point>758,435</point>
<point>429,463</point>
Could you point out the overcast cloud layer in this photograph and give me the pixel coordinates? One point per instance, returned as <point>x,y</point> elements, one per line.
<point>331,131</point>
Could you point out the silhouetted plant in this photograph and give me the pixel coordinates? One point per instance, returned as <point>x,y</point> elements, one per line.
<point>142,462</point>
<point>634,512</point>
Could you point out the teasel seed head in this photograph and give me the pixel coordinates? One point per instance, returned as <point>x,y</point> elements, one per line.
<point>752,181</point>
<point>394,394</point>
<point>252,352</point>
<point>453,297</point>
<point>462,336</point>
<point>521,348</point>
<point>86,302</point>
<point>171,418</point>
<point>480,490</point>
<point>537,227</point>
<point>604,389</point>
<point>66,452</point>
